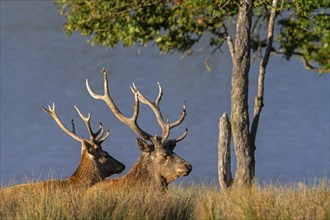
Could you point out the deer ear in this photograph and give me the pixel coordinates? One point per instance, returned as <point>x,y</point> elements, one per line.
<point>143,145</point>
<point>172,145</point>
<point>88,147</point>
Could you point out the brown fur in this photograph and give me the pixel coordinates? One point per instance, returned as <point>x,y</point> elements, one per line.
<point>87,174</point>
<point>95,164</point>
<point>158,165</point>
<point>155,169</point>
<point>138,176</point>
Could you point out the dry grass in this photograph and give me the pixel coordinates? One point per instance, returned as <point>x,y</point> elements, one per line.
<point>269,202</point>
<point>192,202</point>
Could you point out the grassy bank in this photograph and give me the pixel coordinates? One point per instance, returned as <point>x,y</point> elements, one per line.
<point>192,202</point>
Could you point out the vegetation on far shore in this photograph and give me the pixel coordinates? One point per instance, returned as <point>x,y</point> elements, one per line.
<point>298,201</point>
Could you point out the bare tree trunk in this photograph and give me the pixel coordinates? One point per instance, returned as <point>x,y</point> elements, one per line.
<point>239,97</point>
<point>224,160</point>
<point>244,141</point>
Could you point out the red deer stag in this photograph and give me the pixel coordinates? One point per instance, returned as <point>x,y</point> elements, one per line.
<point>95,163</point>
<point>157,165</point>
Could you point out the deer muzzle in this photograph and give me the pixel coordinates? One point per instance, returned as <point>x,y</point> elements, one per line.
<point>185,170</point>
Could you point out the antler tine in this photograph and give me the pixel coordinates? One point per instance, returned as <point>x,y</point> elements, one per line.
<point>106,97</point>
<point>99,131</point>
<point>96,137</point>
<point>101,139</point>
<point>99,134</point>
<point>155,108</point>
<point>181,137</point>
<point>52,112</point>
<point>73,126</point>
<point>167,132</point>
<point>133,120</point>
<point>181,118</point>
<point>87,122</point>
<point>160,94</point>
<point>130,122</point>
<point>136,108</point>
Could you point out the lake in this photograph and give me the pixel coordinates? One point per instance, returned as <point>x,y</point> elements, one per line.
<point>40,65</point>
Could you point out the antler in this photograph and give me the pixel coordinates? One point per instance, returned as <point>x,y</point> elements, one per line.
<point>166,126</point>
<point>97,137</point>
<point>52,112</point>
<point>130,122</point>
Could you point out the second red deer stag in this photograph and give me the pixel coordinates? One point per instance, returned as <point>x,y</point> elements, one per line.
<point>157,165</point>
<point>95,164</point>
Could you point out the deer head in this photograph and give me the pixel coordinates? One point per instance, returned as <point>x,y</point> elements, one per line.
<point>94,158</point>
<point>157,153</point>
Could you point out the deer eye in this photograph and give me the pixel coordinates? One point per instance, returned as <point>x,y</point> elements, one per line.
<point>164,157</point>
<point>104,158</point>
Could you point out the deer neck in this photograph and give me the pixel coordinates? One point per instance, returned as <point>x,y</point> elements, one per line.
<point>144,175</point>
<point>87,173</point>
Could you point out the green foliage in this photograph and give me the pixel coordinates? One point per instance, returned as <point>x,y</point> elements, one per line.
<point>178,25</point>
<point>306,31</point>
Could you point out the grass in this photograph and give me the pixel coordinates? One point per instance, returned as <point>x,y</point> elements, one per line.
<point>190,202</point>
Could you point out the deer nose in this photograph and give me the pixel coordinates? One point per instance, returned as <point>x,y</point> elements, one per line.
<point>121,168</point>
<point>189,167</point>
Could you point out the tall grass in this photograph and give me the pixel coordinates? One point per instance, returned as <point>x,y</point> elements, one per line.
<point>191,202</point>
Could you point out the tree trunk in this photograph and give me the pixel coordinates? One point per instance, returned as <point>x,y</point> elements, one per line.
<point>240,124</point>
<point>244,141</point>
<point>224,160</point>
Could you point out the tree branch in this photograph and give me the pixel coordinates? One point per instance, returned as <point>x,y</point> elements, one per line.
<point>259,102</point>
<point>231,46</point>
<point>307,64</point>
<point>206,62</point>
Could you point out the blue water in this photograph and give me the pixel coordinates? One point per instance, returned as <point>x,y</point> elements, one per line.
<point>40,65</point>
